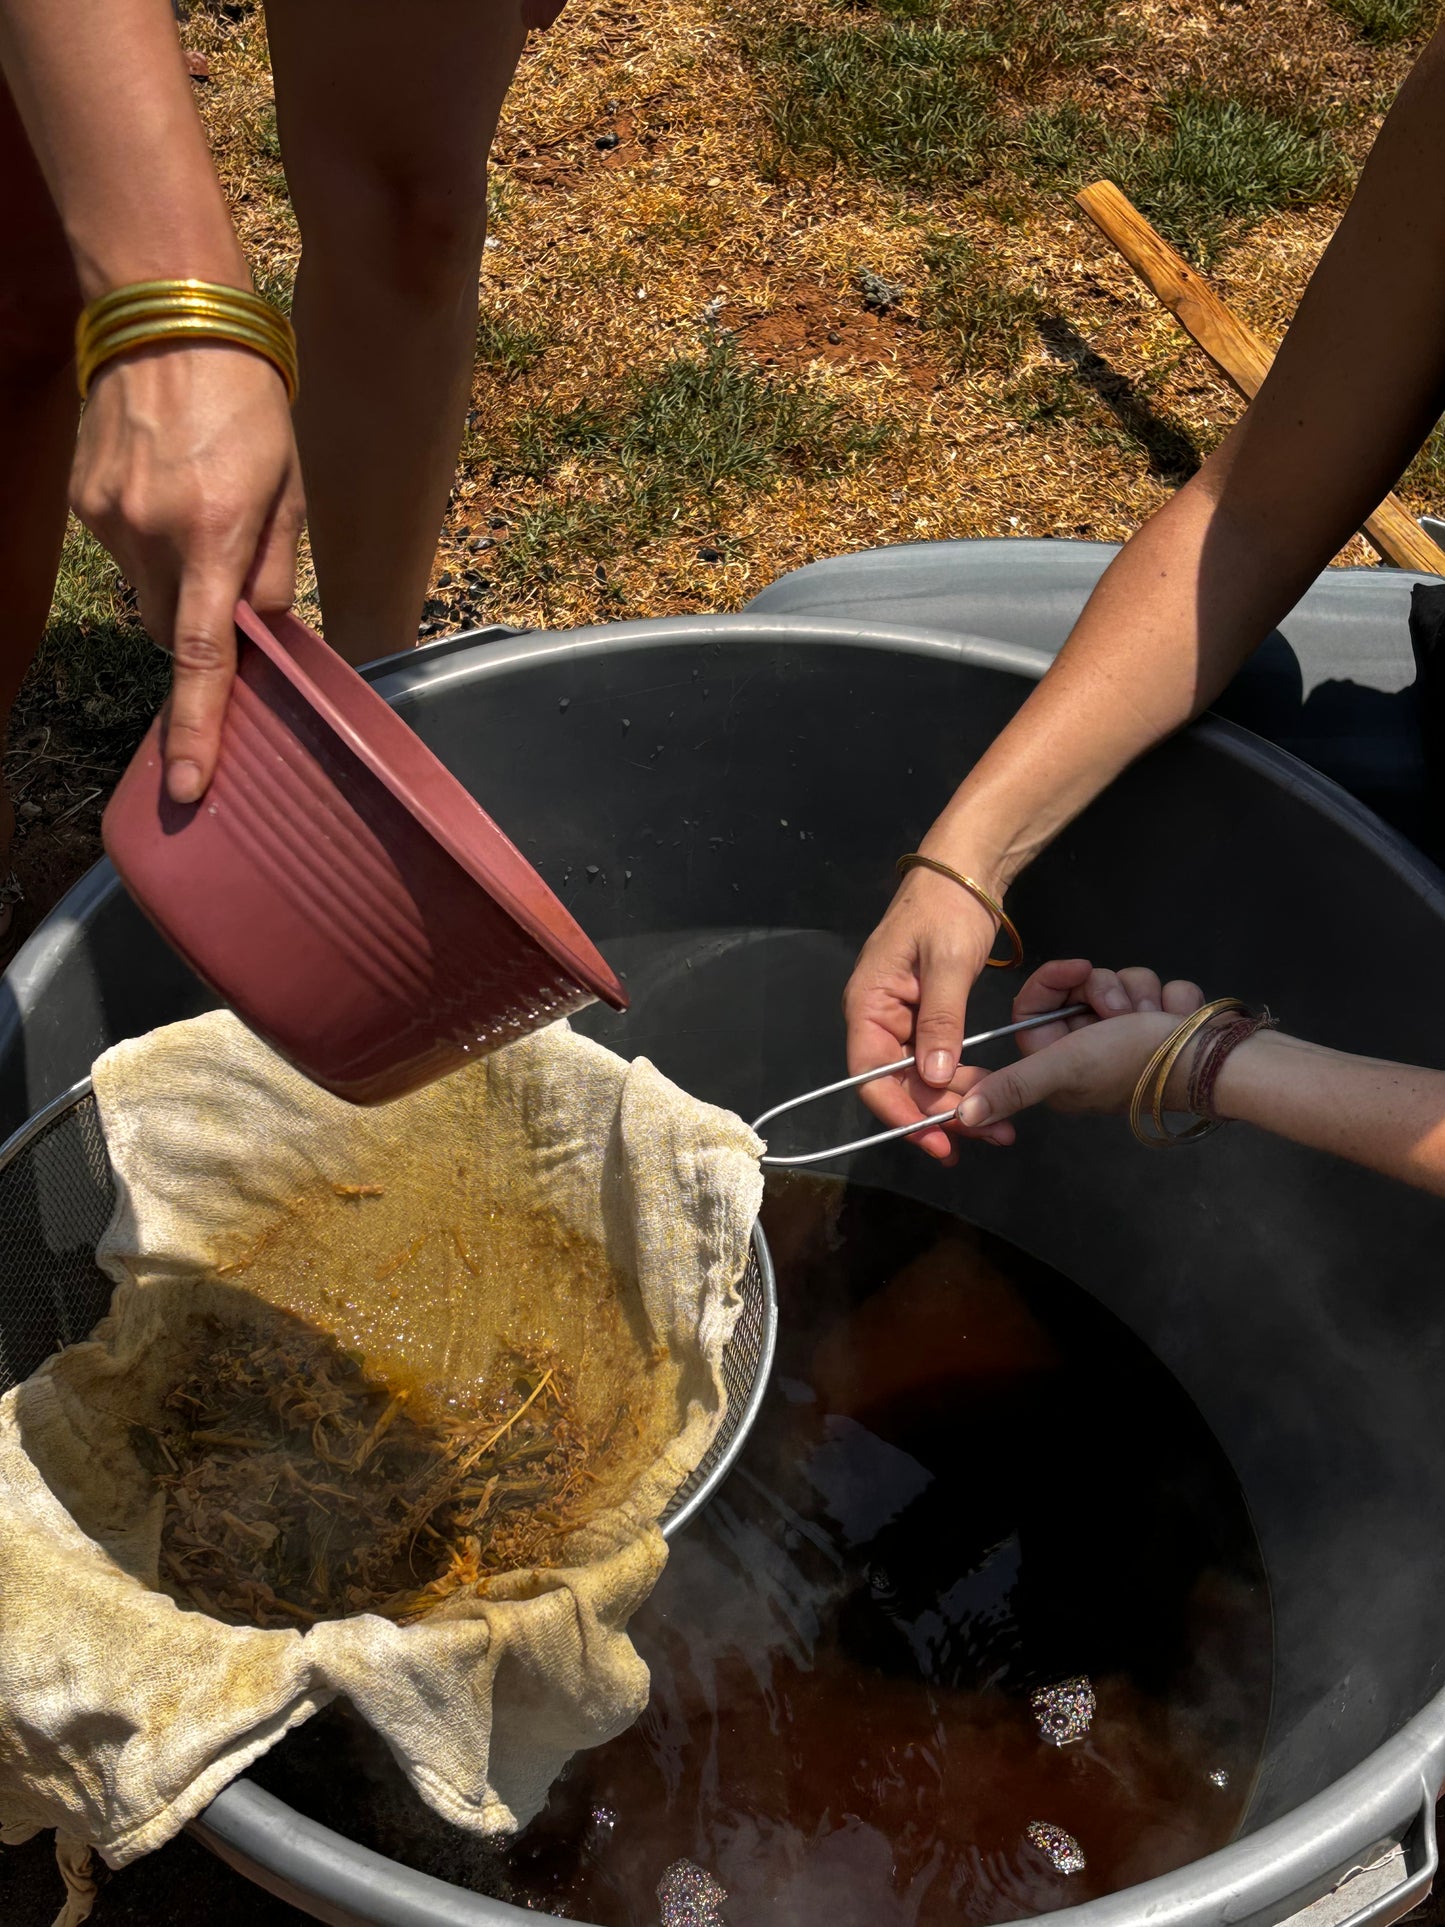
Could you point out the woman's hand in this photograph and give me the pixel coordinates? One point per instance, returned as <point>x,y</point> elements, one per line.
<point>910,987</point>
<point>186,470</point>
<point>1088,1064</point>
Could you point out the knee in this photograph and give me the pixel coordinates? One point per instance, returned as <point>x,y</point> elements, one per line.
<point>417,229</point>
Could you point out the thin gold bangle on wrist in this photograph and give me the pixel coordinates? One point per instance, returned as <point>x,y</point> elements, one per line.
<point>1154,1081</point>
<point>147,314</point>
<point>915,860</point>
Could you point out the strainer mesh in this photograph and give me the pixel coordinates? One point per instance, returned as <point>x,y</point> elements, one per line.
<point>56,1197</point>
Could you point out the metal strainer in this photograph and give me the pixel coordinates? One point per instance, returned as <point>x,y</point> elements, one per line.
<point>57,1193</point>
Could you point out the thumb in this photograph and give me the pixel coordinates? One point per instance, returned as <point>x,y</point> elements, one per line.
<point>1017,1087</point>
<point>204,646</point>
<point>945,981</point>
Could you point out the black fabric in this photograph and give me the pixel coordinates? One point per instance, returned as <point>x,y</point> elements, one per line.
<point>1427,640</point>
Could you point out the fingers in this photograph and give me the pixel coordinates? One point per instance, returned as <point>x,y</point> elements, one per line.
<point>878,1006</point>
<point>939,1144</point>
<point>1182,998</point>
<point>204,646</point>
<point>952,935</point>
<point>1027,1081</point>
<point>186,469</point>
<point>905,1099</point>
<point>895,1104</point>
<point>1001,1132</point>
<point>1051,987</point>
<point>1106,994</point>
<point>879,999</point>
<point>1115,993</point>
<point>1142,988</point>
<point>271,583</point>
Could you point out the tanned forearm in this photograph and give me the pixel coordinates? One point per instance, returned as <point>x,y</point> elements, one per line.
<point>1389,1117</point>
<point>102,89</point>
<point>1357,383</point>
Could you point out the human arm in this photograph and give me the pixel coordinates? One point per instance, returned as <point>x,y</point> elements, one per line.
<point>186,466</point>
<point>1357,383</point>
<point>1387,1117</point>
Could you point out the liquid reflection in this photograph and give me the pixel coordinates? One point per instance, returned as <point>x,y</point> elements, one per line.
<point>970,1485</point>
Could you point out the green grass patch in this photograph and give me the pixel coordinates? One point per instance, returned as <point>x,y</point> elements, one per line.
<point>508,348</point>
<point>1209,167</point>
<point>913,90</point>
<point>1047,395</point>
<point>1387,22</point>
<point>275,284</point>
<point>670,451</point>
<point>977,321</point>
<point>703,422</point>
<point>1027,36</point>
<point>96,670</point>
<point>903,102</point>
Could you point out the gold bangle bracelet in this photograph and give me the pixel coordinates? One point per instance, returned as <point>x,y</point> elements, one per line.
<point>133,325</point>
<point>915,860</point>
<point>192,329</point>
<point>146,334</point>
<point>114,311</point>
<point>149,313</point>
<point>123,320</point>
<point>164,289</point>
<point>169,296</point>
<point>113,340</point>
<point>1154,1081</point>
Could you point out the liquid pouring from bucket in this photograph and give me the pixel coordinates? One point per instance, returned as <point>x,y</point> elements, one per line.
<point>770,1163</point>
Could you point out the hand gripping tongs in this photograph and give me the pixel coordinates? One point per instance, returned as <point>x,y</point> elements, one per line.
<point>888,1070</point>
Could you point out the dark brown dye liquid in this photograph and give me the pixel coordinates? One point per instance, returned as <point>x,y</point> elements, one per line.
<point>970,1481</point>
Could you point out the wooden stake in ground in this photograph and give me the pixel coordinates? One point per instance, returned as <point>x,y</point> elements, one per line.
<point>1235,349</point>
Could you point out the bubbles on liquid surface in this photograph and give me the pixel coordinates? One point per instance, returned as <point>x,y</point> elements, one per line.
<point>1061,1849</point>
<point>1064,1712</point>
<point>688,1896</point>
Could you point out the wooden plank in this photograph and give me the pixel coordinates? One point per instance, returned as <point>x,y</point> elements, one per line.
<point>1235,349</point>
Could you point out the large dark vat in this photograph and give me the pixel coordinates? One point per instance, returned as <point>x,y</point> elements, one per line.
<point>720,802</point>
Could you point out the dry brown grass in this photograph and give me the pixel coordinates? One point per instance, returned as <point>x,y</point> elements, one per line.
<point>611,260</point>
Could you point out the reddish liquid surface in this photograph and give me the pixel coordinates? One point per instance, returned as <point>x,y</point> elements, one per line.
<point>970,1482</point>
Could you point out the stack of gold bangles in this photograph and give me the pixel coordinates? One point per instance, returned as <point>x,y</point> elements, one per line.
<point>1154,1080</point>
<point>149,314</point>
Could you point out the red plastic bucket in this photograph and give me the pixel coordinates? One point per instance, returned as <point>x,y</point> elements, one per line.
<point>339,888</point>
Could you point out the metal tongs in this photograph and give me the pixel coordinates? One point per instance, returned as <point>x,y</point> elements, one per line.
<point>888,1070</point>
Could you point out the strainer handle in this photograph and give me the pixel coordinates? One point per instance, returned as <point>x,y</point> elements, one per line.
<point>887,1070</point>
<point>41,1119</point>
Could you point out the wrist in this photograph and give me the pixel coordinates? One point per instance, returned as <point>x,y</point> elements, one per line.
<point>1230,1081</point>
<point>1176,1091</point>
<point>1239,1077</point>
<point>998,820</point>
<point>179,255</point>
<point>963,846</point>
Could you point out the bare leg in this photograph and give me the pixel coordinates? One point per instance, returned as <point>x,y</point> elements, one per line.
<point>386,115</point>
<point>39,300</point>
